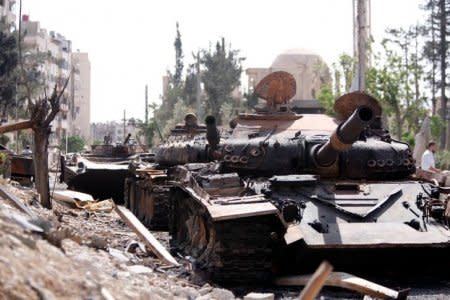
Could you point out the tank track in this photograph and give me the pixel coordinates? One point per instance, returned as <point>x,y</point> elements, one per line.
<point>238,251</point>
<point>150,204</point>
<point>160,219</point>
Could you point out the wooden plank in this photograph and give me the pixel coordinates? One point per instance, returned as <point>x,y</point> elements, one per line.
<point>226,212</point>
<point>156,247</point>
<point>347,281</point>
<point>316,282</point>
<point>15,126</point>
<point>16,201</point>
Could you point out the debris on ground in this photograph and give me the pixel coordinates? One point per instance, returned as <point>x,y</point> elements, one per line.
<point>83,255</point>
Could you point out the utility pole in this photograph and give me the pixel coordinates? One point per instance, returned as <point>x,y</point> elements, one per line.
<point>124,124</point>
<point>198,88</point>
<point>146,104</point>
<point>363,42</point>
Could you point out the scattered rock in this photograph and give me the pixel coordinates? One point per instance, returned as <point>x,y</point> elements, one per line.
<point>98,242</point>
<point>119,255</point>
<point>25,224</point>
<point>259,296</point>
<point>139,269</point>
<point>161,293</point>
<point>221,294</point>
<point>185,292</point>
<point>205,289</point>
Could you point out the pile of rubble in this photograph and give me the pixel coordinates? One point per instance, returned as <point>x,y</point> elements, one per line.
<point>67,253</point>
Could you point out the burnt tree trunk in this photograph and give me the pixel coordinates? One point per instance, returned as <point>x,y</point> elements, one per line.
<point>41,136</point>
<point>43,112</point>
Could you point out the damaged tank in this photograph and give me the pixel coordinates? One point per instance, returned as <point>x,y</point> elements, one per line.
<point>102,171</point>
<point>147,190</point>
<point>290,190</point>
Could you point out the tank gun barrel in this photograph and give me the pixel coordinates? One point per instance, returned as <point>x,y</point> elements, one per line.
<point>127,139</point>
<point>212,133</point>
<point>344,136</point>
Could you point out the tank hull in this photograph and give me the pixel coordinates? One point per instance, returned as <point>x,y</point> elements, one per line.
<point>357,226</point>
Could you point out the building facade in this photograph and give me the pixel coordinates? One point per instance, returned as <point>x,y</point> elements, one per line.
<point>52,53</point>
<point>7,11</point>
<point>310,73</point>
<point>81,95</point>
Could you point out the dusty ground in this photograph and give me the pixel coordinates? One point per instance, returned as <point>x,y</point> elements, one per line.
<point>82,255</point>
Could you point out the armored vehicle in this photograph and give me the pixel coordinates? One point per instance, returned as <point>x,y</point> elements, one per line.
<point>289,190</point>
<point>103,170</point>
<point>147,190</point>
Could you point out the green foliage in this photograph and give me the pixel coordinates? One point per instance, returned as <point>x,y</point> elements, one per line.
<point>326,98</point>
<point>97,142</point>
<point>222,72</point>
<point>408,137</point>
<point>347,65</point>
<point>4,164</point>
<point>179,111</point>
<point>75,143</point>
<point>8,76</point>
<point>178,58</point>
<point>437,125</point>
<point>343,75</point>
<point>394,80</point>
<point>251,100</point>
<point>443,159</point>
<point>4,139</point>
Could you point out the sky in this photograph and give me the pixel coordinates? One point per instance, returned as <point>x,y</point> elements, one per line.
<point>130,43</point>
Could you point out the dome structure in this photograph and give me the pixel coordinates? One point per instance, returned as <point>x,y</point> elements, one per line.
<point>308,68</point>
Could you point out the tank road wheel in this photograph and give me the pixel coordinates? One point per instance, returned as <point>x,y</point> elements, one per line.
<point>234,251</point>
<point>189,228</point>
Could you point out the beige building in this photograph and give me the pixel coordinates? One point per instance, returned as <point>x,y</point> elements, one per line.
<point>309,70</point>
<point>55,52</point>
<point>81,95</point>
<point>58,62</point>
<point>7,11</point>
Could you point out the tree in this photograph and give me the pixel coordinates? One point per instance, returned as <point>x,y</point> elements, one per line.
<point>178,58</point>
<point>75,143</point>
<point>343,72</point>
<point>390,81</point>
<point>8,78</point>
<point>436,51</point>
<point>174,91</point>
<point>43,111</point>
<point>221,75</point>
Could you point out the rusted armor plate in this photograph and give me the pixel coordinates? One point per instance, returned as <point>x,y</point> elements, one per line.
<point>346,104</point>
<point>276,88</point>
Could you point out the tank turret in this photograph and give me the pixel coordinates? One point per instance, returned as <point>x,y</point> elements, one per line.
<point>276,141</point>
<point>185,144</point>
<point>344,136</point>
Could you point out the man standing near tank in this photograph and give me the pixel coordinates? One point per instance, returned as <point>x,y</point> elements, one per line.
<point>428,161</point>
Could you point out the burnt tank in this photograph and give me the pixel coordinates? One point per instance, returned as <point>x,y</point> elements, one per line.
<point>147,190</point>
<point>289,190</point>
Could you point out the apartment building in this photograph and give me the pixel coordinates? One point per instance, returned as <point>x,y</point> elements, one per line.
<point>81,95</point>
<point>56,63</point>
<point>7,11</point>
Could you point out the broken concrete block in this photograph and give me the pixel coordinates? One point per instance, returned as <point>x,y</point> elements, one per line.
<point>221,294</point>
<point>139,269</point>
<point>259,296</point>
